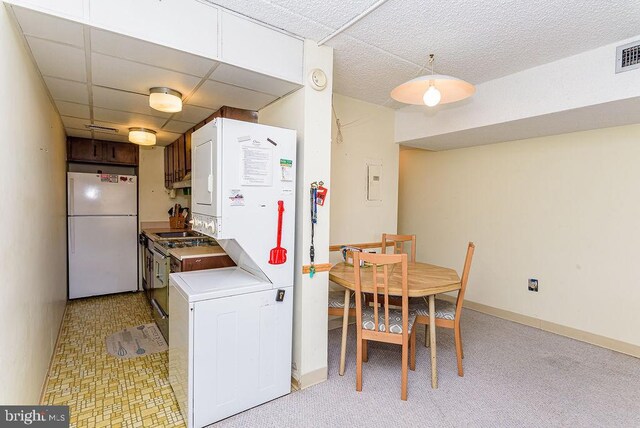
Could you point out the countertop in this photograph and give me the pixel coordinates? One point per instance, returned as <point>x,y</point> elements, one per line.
<point>200,251</point>
<point>152,233</point>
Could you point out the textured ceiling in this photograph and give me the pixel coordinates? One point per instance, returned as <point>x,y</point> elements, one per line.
<point>474,40</point>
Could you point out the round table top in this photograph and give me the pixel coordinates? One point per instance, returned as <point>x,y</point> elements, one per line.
<point>423,279</point>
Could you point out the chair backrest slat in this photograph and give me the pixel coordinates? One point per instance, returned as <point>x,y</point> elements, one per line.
<point>399,244</point>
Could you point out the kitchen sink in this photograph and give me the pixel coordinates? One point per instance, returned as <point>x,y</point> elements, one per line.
<point>185,234</point>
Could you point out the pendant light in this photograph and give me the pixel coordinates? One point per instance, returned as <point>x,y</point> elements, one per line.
<point>433,89</point>
<point>142,136</point>
<point>165,99</point>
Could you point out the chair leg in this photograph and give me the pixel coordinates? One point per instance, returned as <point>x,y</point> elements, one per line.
<point>412,349</point>
<point>365,350</point>
<point>405,373</point>
<point>461,347</point>
<point>426,335</point>
<point>359,364</point>
<point>458,340</point>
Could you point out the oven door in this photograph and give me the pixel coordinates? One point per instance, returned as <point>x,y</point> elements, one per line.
<point>160,291</point>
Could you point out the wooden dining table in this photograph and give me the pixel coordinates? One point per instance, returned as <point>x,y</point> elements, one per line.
<point>424,280</point>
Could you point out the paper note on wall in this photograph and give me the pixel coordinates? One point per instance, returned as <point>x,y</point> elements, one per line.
<point>256,166</point>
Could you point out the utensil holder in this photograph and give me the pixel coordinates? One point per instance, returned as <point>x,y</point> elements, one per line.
<point>177,222</point>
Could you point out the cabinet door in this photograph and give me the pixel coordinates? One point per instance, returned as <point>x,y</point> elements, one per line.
<point>239,114</point>
<point>181,152</point>
<point>211,262</point>
<point>176,162</point>
<point>166,167</point>
<point>187,151</point>
<point>121,153</point>
<point>84,150</point>
<point>170,170</point>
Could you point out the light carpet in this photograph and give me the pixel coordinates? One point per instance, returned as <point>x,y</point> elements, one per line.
<point>515,376</point>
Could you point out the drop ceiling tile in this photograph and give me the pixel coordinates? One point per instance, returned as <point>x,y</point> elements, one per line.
<point>164,138</point>
<point>58,60</point>
<point>49,27</point>
<point>114,99</point>
<point>66,108</point>
<point>65,90</point>
<point>134,77</point>
<point>81,133</point>
<point>132,49</point>
<point>127,119</point>
<point>74,122</point>
<point>252,80</point>
<point>215,94</point>
<point>107,136</point>
<point>194,114</point>
<point>177,126</point>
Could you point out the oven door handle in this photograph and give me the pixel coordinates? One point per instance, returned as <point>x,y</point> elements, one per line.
<point>158,309</point>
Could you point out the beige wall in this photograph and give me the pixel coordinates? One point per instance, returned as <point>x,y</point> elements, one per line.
<point>154,200</point>
<point>368,134</point>
<point>562,209</point>
<point>33,247</point>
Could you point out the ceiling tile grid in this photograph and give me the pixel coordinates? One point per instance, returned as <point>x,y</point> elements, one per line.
<point>476,41</point>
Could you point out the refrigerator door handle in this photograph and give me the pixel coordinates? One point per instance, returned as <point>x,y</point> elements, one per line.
<point>72,235</point>
<point>71,196</point>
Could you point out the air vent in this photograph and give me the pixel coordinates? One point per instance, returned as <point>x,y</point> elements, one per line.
<point>104,129</point>
<point>628,57</point>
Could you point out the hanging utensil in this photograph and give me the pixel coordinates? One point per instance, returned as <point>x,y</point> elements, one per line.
<point>278,254</point>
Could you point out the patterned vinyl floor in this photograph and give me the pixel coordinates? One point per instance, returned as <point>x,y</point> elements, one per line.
<point>102,390</point>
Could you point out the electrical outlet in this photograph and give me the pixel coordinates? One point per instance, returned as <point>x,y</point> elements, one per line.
<point>533,284</point>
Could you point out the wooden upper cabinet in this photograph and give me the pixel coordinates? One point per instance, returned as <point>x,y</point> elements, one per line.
<point>122,154</point>
<point>97,151</point>
<point>187,151</point>
<point>84,150</point>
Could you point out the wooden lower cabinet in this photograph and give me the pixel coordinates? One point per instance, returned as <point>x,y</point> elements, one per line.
<point>200,263</point>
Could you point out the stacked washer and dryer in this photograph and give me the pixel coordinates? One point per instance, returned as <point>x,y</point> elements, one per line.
<point>230,329</point>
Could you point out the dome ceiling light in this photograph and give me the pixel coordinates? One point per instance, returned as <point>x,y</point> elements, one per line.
<point>142,136</point>
<point>165,99</point>
<point>433,89</point>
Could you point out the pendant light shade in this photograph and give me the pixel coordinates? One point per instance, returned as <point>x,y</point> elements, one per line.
<point>142,136</point>
<point>433,89</point>
<point>165,99</point>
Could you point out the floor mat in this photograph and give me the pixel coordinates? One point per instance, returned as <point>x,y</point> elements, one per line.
<point>136,341</point>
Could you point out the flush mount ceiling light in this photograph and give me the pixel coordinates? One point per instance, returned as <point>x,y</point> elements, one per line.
<point>142,136</point>
<point>433,89</point>
<point>165,99</point>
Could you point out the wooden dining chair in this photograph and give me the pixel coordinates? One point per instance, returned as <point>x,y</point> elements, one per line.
<point>447,314</point>
<point>399,244</point>
<point>393,325</point>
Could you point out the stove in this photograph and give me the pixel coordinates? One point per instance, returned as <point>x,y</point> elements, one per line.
<point>157,286</point>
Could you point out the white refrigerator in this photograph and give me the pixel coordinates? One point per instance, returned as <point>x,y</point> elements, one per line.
<point>103,234</point>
